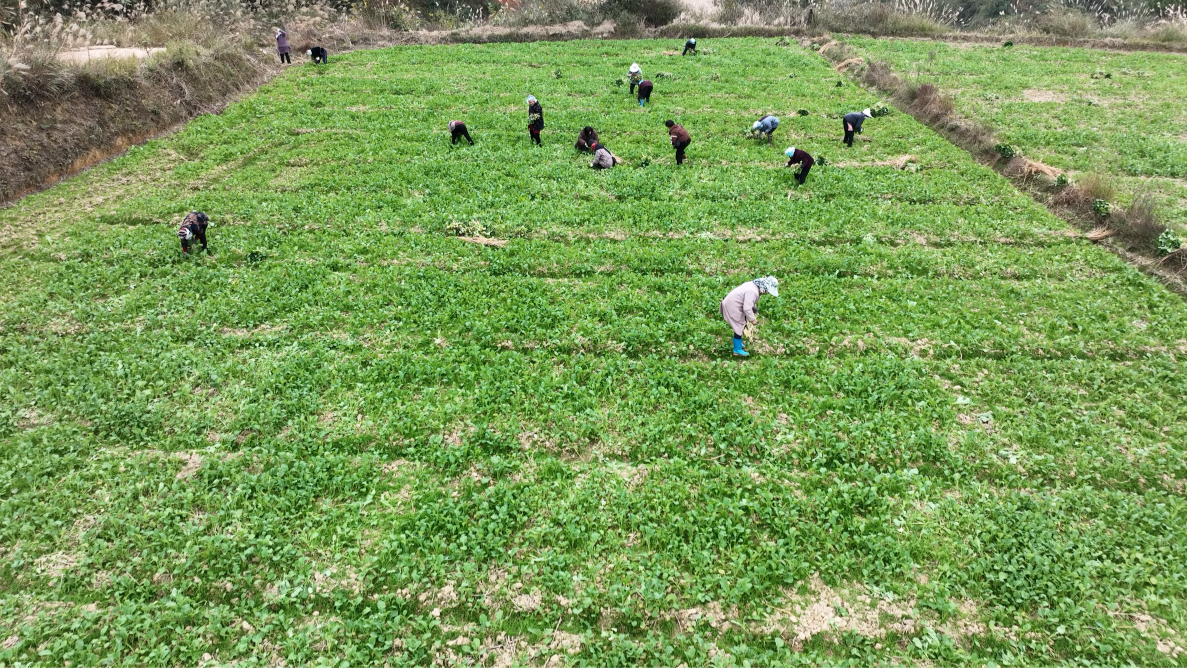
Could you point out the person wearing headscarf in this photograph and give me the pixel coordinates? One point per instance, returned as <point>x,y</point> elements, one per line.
<point>457,130</point>
<point>535,118</point>
<point>680,139</point>
<point>193,230</point>
<point>586,138</point>
<point>690,45</point>
<point>634,75</point>
<point>645,87</point>
<point>765,126</point>
<point>282,46</point>
<point>603,158</point>
<point>852,122</point>
<point>739,308</point>
<point>796,156</point>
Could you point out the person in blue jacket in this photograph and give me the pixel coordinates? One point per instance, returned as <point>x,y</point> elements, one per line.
<point>765,126</point>
<point>852,123</point>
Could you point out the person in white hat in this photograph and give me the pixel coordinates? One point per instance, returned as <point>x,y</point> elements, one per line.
<point>634,76</point>
<point>852,123</point>
<point>739,308</point>
<point>765,126</point>
<point>798,156</point>
<point>690,45</point>
<point>535,119</point>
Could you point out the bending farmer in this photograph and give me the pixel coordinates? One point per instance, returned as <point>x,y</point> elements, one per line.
<point>535,118</point>
<point>634,75</point>
<point>765,126</point>
<point>644,92</point>
<point>586,139</point>
<point>680,139</point>
<point>603,158</point>
<point>852,122</point>
<point>739,307</point>
<point>690,45</point>
<point>457,130</point>
<point>799,157</point>
<point>193,230</point>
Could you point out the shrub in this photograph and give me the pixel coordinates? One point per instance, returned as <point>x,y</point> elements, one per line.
<point>1100,207</point>
<point>1168,242</point>
<point>1096,186</point>
<point>1061,181</point>
<point>1006,151</point>
<point>654,13</point>
<point>1067,23</point>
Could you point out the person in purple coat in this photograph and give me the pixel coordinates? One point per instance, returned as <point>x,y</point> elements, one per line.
<point>739,308</point>
<point>798,156</point>
<point>282,46</point>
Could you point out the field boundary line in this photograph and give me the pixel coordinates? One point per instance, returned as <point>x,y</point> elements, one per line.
<point>932,109</point>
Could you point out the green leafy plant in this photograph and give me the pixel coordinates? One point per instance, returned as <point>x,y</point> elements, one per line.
<point>1168,242</point>
<point>1100,207</point>
<point>880,109</point>
<point>1005,150</point>
<point>1062,181</point>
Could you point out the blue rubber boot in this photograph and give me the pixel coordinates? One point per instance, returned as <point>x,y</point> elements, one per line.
<point>642,102</point>
<point>738,347</point>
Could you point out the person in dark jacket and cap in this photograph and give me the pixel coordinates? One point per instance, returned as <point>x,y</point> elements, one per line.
<point>852,123</point>
<point>193,230</point>
<point>535,119</point>
<point>282,46</point>
<point>796,156</point>
<point>739,308</point>
<point>690,45</point>
<point>586,139</point>
<point>680,139</point>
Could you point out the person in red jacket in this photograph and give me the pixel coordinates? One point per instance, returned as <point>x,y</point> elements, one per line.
<point>680,139</point>
<point>797,156</point>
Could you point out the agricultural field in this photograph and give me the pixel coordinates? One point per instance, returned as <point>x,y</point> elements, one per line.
<point>1078,110</point>
<point>349,435</point>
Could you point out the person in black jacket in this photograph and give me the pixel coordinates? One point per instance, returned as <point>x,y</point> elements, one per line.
<point>690,45</point>
<point>852,123</point>
<point>535,118</point>
<point>318,55</point>
<point>796,156</point>
<point>457,130</point>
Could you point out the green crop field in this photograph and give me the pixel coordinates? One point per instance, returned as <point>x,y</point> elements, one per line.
<point>1079,110</point>
<point>348,436</point>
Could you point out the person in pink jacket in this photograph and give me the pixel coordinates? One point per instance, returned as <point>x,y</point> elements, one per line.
<point>738,307</point>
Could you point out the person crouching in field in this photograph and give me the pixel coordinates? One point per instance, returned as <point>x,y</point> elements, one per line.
<point>318,55</point>
<point>739,308</point>
<point>690,45</point>
<point>634,76</point>
<point>535,118</point>
<point>193,230</point>
<point>282,46</point>
<point>457,130</point>
<point>586,138</point>
<point>852,123</point>
<point>765,126</point>
<point>603,158</point>
<point>645,87</point>
<point>680,139</point>
<point>796,156</point>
